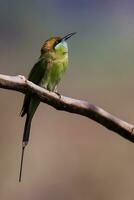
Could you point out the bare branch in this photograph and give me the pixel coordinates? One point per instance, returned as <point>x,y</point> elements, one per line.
<point>20,84</point>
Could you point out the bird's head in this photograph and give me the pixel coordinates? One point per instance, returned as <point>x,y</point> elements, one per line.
<point>57,45</point>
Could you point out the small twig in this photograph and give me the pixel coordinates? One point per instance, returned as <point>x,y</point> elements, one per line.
<point>20,84</point>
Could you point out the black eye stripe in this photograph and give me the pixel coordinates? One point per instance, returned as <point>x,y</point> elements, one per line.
<point>57,42</point>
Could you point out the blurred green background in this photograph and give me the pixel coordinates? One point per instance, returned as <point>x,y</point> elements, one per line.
<point>69,156</point>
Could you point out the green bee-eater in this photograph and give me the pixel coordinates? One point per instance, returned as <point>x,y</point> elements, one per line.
<point>47,73</point>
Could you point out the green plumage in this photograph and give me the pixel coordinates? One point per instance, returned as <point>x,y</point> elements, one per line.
<point>47,73</point>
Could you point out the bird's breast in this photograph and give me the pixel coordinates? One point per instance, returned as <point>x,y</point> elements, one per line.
<point>55,70</point>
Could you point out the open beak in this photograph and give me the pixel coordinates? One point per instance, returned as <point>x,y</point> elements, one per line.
<point>68,36</point>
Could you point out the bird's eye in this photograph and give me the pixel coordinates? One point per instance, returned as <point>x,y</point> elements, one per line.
<point>56,43</point>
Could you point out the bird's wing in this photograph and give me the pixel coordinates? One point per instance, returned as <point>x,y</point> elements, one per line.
<point>35,76</point>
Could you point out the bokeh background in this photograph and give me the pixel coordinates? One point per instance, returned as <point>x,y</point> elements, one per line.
<point>69,156</point>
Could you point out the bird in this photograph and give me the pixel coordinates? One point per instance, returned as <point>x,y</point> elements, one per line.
<point>47,73</point>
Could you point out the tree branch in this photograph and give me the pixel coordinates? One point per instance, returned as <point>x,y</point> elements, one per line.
<point>20,84</point>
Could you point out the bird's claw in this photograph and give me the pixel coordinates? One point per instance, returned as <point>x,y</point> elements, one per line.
<point>59,95</point>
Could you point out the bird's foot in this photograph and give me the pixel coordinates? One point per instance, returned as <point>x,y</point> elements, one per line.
<point>59,95</point>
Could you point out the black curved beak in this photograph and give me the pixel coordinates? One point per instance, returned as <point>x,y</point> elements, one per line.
<point>68,36</point>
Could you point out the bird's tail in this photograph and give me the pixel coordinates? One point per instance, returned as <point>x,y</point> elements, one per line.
<point>34,102</point>
<point>27,130</point>
<point>25,140</point>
